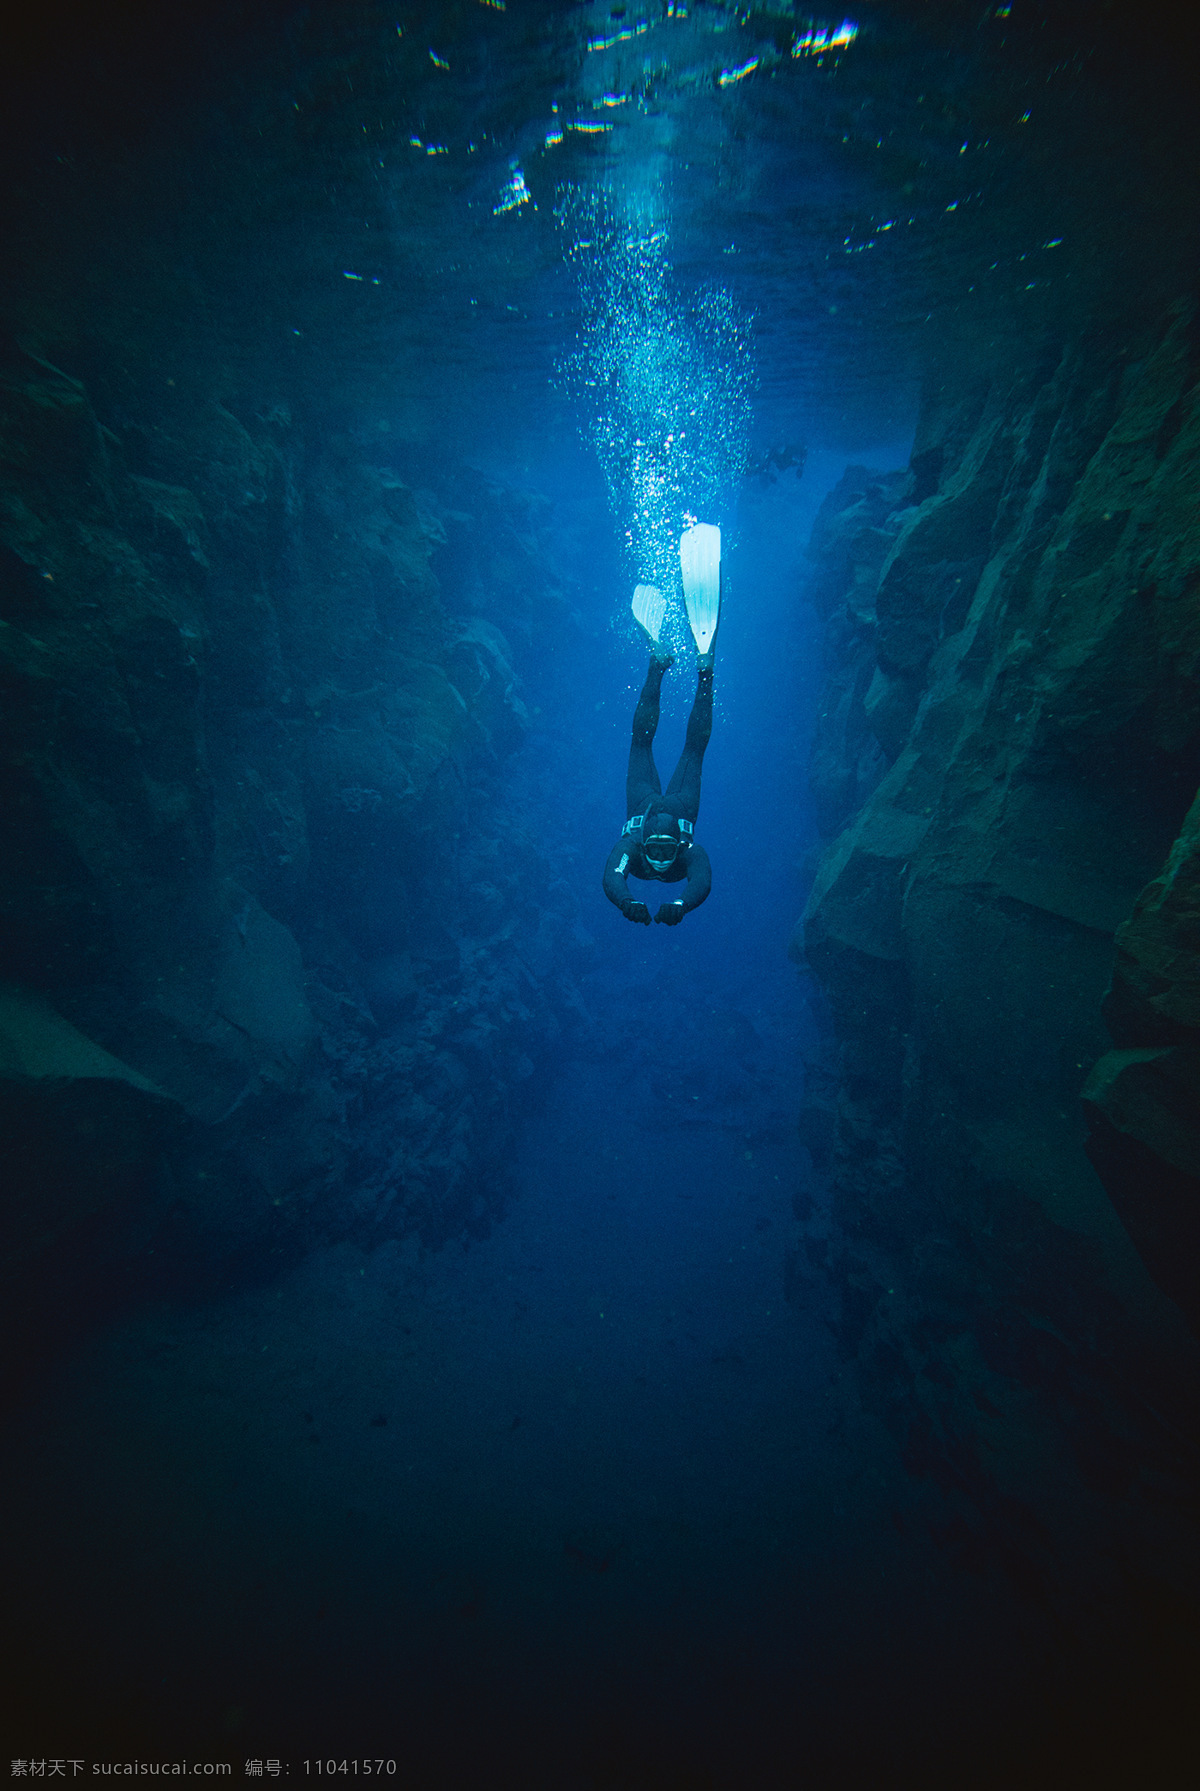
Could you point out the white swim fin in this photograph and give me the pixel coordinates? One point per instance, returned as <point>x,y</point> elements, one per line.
<point>649,609</point>
<point>700,561</point>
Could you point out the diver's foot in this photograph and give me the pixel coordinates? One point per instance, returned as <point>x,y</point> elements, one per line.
<point>706,661</point>
<point>661,661</point>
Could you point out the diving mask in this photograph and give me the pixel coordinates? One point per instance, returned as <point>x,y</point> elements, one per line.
<point>660,851</point>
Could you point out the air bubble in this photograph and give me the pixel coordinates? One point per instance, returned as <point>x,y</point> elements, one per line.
<point>663,377</point>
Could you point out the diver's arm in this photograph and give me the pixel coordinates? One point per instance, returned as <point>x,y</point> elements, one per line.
<point>616,886</point>
<point>699,878</point>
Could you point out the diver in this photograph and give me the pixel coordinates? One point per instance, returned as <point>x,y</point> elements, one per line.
<point>656,843</point>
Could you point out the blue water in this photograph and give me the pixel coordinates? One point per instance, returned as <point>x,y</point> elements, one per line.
<point>588,1501</point>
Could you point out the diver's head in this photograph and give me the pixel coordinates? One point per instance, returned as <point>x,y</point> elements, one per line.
<point>661,839</point>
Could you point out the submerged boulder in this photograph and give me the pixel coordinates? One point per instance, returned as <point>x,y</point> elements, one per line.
<point>83,1135</point>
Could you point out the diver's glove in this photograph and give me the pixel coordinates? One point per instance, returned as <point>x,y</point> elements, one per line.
<point>636,911</point>
<point>670,914</point>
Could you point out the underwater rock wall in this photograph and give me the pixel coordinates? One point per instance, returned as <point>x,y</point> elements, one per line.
<point>257,886</point>
<point>1143,1099</point>
<point>1008,744</point>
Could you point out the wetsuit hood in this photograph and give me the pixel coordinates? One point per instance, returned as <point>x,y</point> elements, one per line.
<point>662,837</point>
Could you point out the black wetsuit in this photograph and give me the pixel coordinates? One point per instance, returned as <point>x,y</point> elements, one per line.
<point>681,798</point>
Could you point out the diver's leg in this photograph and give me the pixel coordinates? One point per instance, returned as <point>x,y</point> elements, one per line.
<point>686,781</point>
<point>642,779</point>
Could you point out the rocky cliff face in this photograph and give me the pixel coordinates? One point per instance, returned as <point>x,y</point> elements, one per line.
<point>257,884</point>
<point>1009,744</point>
<point>1143,1099</point>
